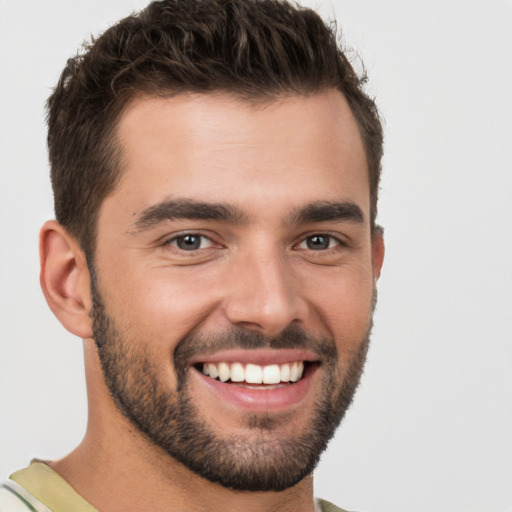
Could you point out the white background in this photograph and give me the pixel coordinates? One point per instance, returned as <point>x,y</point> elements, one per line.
<point>431,428</point>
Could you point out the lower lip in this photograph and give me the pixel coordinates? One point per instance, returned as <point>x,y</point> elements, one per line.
<point>261,399</point>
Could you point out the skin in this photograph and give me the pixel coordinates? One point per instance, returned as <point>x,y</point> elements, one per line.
<point>269,161</point>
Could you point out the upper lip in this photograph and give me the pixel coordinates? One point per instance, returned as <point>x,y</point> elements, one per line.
<point>260,357</point>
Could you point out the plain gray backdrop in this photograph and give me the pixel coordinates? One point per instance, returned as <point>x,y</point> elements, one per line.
<point>431,427</point>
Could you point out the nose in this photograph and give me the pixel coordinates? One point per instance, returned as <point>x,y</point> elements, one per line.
<point>263,294</point>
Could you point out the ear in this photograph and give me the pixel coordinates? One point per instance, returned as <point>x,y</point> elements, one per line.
<point>65,279</point>
<point>377,251</point>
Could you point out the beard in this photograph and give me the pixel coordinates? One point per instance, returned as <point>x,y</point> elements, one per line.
<point>263,461</point>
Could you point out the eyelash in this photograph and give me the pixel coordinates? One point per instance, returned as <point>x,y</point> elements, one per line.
<point>200,239</point>
<point>173,242</point>
<point>329,238</point>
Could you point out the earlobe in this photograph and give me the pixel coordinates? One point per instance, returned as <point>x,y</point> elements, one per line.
<point>377,251</point>
<point>64,279</point>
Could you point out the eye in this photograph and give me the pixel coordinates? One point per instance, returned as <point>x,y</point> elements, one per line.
<point>319,242</point>
<point>190,242</point>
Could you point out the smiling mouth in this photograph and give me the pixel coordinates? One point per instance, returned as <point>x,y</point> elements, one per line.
<point>253,375</point>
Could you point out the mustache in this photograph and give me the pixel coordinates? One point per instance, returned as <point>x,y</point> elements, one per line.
<point>293,337</point>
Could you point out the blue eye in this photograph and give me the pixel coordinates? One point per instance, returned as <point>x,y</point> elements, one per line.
<point>319,242</point>
<point>190,242</point>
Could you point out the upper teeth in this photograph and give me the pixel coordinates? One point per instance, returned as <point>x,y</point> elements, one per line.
<point>255,374</point>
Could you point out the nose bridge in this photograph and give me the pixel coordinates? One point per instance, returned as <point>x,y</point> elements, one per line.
<point>263,293</point>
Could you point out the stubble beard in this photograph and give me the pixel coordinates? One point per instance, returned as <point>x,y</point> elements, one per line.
<point>169,419</point>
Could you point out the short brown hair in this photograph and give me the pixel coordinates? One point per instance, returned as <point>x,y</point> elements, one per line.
<point>256,49</point>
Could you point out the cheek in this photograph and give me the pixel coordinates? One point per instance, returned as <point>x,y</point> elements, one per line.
<point>160,305</point>
<point>344,302</point>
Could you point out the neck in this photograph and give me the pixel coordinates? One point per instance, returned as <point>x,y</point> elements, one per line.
<point>116,468</point>
<point>100,469</point>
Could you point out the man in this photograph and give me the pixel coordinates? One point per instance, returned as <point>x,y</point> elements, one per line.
<point>215,167</point>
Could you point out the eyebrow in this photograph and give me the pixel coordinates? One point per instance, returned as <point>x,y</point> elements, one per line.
<point>329,210</point>
<point>188,209</point>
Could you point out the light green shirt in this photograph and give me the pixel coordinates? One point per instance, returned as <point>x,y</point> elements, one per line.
<point>40,489</point>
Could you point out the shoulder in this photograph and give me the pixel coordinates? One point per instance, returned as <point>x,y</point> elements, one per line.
<point>40,489</point>
<point>14,498</point>
<point>326,506</point>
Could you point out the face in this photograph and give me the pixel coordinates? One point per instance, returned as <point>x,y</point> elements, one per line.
<point>233,281</point>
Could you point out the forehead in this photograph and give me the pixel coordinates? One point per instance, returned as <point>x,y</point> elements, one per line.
<point>216,147</point>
